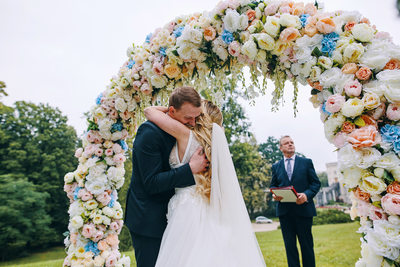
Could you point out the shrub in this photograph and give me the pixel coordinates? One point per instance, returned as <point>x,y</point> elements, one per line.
<point>331,216</point>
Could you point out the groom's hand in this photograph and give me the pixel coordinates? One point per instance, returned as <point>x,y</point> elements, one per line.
<point>198,162</point>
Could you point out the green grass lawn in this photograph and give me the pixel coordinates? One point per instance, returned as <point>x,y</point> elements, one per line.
<point>336,245</point>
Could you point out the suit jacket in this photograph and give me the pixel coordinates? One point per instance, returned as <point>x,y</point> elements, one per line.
<point>153,182</point>
<point>304,180</point>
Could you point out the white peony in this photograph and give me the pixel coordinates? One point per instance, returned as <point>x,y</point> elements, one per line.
<point>193,35</point>
<point>303,54</point>
<point>381,247</point>
<point>96,170</point>
<point>331,77</point>
<point>325,62</point>
<point>231,20</point>
<point>352,176</point>
<point>363,32</point>
<point>306,68</point>
<point>369,156</point>
<point>353,52</point>
<point>186,49</point>
<point>287,20</point>
<point>105,124</point>
<point>378,53</point>
<point>243,22</point>
<point>272,26</point>
<point>265,41</point>
<point>348,157</point>
<point>249,49</point>
<point>389,231</point>
<point>353,107</point>
<point>372,185</point>
<point>374,86</point>
<point>388,161</point>
<point>391,81</point>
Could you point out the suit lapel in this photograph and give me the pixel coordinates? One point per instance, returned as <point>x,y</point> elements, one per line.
<point>295,167</point>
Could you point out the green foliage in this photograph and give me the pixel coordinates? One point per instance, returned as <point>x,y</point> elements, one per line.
<point>331,216</point>
<point>24,221</point>
<point>270,150</point>
<point>36,143</point>
<point>323,177</point>
<point>125,239</point>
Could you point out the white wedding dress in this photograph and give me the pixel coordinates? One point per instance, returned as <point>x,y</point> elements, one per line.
<point>209,234</point>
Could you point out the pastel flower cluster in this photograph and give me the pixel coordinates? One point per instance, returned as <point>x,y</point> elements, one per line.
<point>354,72</point>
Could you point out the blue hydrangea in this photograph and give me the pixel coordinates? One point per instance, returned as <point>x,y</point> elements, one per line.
<point>92,246</point>
<point>130,64</point>
<point>390,133</point>
<point>227,37</point>
<point>178,31</point>
<point>98,99</point>
<point>117,127</point>
<point>304,19</point>
<point>163,51</point>
<point>329,43</point>
<point>148,37</point>
<point>112,201</point>
<point>324,109</point>
<point>396,146</point>
<point>76,192</point>
<point>123,144</point>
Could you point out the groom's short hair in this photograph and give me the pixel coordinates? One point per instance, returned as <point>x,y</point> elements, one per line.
<point>185,94</point>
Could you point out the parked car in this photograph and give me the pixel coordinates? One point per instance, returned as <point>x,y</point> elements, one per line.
<point>262,219</point>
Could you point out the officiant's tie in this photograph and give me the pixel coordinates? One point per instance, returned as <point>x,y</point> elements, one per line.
<point>289,169</point>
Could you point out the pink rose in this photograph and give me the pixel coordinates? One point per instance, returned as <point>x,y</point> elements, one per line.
<point>326,25</point>
<point>146,89</point>
<point>111,260</point>
<point>78,152</point>
<point>353,88</point>
<point>393,112</point>
<point>104,198</point>
<point>285,9</point>
<point>136,85</point>
<point>101,227</point>
<point>119,158</point>
<point>113,114</point>
<point>391,204</point>
<point>221,6</point>
<point>158,68</point>
<point>109,152</point>
<point>233,4</point>
<point>84,195</point>
<point>234,48</point>
<point>363,208</point>
<point>340,139</point>
<point>289,34</point>
<point>383,36</point>
<point>170,26</point>
<point>376,213</point>
<point>88,230</point>
<point>98,152</point>
<point>117,148</point>
<point>366,136</point>
<point>298,9</point>
<point>361,194</point>
<point>114,226</point>
<point>334,103</point>
<point>126,115</point>
<point>124,133</point>
<point>97,236</point>
<point>73,237</point>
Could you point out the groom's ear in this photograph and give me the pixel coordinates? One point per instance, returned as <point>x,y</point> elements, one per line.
<point>171,110</point>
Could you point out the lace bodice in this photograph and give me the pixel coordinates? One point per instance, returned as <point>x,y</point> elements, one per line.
<point>192,145</point>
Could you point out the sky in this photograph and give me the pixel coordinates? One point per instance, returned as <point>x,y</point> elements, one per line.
<point>65,52</point>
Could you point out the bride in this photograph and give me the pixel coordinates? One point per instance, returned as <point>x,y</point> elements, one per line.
<point>208,224</point>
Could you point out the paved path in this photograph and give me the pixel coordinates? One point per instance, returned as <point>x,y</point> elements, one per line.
<point>264,227</point>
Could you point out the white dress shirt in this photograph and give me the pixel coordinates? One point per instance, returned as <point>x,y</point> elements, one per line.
<point>291,162</point>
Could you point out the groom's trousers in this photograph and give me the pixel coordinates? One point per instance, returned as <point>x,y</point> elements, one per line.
<point>297,227</point>
<point>146,250</point>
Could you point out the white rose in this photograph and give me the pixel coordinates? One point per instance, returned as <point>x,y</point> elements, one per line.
<point>315,73</point>
<point>378,172</point>
<point>231,20</point>
<point>158,81</point>
<point>69,178</point>
<point>100,113</point>
<point>288,20</point>
<point>377,54</point>
<point>348,157</point>
<point>99,261</point>
<point>337,57</point>
<point>118,214</point>
<point>105,124</point>
<point>371,100</point>
<point>330,77</point>
<point>185,50</point>
<point>390,231</point>
<point>352,176</point>
<point>91,204</point>
<point>369,156</point>
<point>249,49</point>
<point>391,80</point>
<point>221,52</point>
<point>295,69</point>
<point>98,219</point>
<point>325,62</point>
<point>353,107</point>
<point>272,26</point>
<point>369,256</point>
<point>265,41</point>
<point>97,187</point>
<point>243,22</point>
<point>76,222</point>
<point>343,42</point>
<point>76,208</point>
<point>306,68</point>
<point>96,170</point>
<point>396,173</point>
<point>108,211</point>
<point>363,32</point>
<point>372,185</point>
<point>353,52</point>
<point>381,247</point>
<point>191,34</point>
<point>388,161</point>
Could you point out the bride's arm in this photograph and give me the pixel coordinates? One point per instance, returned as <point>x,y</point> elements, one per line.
<point>158,116</point>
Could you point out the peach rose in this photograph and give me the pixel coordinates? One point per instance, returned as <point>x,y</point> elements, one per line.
<point>363,74</point>
<point>362,195</point>
<point>349,25</point>
<point>394,188</point>
<point>366,136</point>
<point>326,25</point>
<point>251,14</point>
<point>298,9</point>
<point>310,9</point>
<point>310,30</point>
<point>365,20</point>
<point>289,34</point>
<point>209,33</point>
<point>393,112</point>
<point>392,64</point>
<point>158,68</point>
<point>348,127</point>
<point>368,120</point>
<point>315,85</point>
<point>88,230</point>
<point>102,245</point>
<point>172,70</point>
<point>112,240</point>
<point>350,68</point>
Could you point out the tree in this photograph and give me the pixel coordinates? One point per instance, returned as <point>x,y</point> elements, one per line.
<point>37,144</point>
<point>323,177</point>
<point>24,221</point>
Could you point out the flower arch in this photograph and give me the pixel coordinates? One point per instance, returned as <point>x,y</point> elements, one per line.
<point>354,72</point>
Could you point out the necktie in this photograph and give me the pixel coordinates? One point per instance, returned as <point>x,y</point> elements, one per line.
<point>289,169</point>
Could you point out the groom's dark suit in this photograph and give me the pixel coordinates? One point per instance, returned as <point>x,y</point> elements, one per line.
<point>152,185</point>
<point>296,220</point>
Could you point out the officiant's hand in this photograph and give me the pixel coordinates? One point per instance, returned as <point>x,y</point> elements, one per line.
<point>198,162</point>
<point>277,198</point>
<point>301,198</point>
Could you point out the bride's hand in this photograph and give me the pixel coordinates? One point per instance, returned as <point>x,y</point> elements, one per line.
<point>198,162</point>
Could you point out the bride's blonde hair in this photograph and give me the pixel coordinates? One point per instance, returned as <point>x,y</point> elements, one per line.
<point>203,130</point>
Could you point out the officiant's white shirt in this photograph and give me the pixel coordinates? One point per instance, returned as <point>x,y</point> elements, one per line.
<point>291,162</point>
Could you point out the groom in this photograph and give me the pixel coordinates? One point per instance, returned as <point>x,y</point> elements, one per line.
<point>296,218</point>
<point>153,181</point>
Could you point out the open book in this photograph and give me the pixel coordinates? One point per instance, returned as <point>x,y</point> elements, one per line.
<point>288,193</point>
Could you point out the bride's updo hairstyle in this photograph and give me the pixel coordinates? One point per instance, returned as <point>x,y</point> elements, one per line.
<point>203,130</point>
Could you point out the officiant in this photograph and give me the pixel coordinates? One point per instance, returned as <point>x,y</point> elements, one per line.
<point>296,218</point>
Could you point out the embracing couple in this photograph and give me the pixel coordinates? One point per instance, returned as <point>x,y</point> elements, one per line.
<point>184,204</point>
